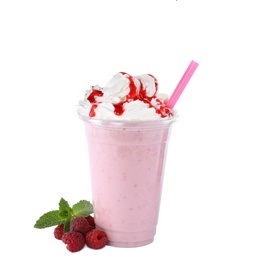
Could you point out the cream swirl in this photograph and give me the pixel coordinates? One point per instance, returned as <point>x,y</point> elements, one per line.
<point>126,97</point>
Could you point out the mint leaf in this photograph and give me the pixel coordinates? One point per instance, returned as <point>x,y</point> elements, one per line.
<point>82,208</point>
<point>65,214</point>
<point>51,218</point>
<point>64,205</point>
<point>67,224</point>
<point>64,208</point>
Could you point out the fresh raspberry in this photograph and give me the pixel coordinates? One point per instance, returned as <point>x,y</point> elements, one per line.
<point>75,241</point>
<point>80,224</point>
<point>91,221</point>
<point>96,239</point>
<point>58,231</point>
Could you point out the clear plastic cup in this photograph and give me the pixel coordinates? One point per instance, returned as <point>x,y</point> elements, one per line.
<point>127,162</point>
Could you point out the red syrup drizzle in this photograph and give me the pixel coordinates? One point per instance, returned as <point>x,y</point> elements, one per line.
<point>142,92</point>
<point>132,95</point>
<point>92,99</point>
<point>133,89</point>
<point>95,93</point>
<point>162,110</point>
<point>119,109</point>
<point>92,111</point>
<point>155,82</point>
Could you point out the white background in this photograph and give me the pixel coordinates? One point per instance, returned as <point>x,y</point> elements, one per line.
<point>52,51</point>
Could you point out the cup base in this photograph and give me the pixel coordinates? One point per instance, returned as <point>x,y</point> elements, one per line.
<point>128,239</point>
<point>130,244</point>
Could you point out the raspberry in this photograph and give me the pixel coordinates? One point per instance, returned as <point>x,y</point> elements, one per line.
<point>58,231</point>
<point>75,241</point>
<point>80,224</point>
<point>96,239</point>
<point>91,221</point>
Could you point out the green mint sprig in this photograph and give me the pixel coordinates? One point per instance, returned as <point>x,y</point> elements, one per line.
<point>64,214</point>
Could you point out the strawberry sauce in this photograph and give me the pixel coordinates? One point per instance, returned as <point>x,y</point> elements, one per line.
<point>92,112</point>
<point>95,93</point>
<point>119,109</point>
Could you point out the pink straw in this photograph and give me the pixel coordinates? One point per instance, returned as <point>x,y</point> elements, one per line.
<point>182,84</point>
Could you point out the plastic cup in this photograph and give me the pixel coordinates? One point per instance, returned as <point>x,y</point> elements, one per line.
<point>127,161</point>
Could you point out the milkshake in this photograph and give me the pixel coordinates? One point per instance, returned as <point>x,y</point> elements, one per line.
<point>127,127</point>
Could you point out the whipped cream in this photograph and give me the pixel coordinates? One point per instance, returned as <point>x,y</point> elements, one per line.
<point>125,97</point>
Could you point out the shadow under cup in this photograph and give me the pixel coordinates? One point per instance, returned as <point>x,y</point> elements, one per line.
<point>127,167</point>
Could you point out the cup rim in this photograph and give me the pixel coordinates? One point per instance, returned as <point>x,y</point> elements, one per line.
<point>129,123</point>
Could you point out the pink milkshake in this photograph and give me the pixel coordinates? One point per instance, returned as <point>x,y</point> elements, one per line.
<point>127,127</point>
